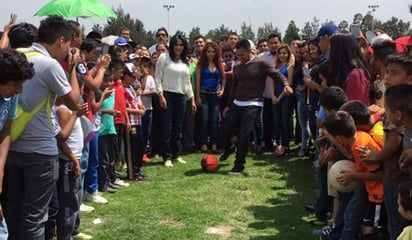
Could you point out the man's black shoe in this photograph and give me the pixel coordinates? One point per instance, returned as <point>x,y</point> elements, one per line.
<point>224,156</point>
<point>235,171</point>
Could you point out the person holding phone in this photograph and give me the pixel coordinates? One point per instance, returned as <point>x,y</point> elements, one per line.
<point>4,40</point>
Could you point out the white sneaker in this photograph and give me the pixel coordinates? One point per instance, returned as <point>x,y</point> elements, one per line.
<point>121,183</point>
<point>86,209</point>
<point>94,197</point>
<point>180,160</point>
<point>168,163</point>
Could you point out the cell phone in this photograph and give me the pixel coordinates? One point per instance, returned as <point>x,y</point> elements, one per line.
<point>355,30</point>
<point>306,71</point>
<point>105,49</point>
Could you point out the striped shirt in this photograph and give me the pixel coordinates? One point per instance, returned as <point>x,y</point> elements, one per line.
<point>133,102</point>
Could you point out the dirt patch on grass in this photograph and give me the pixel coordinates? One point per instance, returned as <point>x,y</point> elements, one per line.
<point>221,230</point>
<point>172,223</point>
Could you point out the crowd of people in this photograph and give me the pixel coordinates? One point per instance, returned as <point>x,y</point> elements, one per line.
<point>73,114</point>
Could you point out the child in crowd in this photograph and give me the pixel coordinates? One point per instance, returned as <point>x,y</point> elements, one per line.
<point>70,142</point>
<point>331,99</point>
<point>374,127</point>
<point>121,121</point>
<point>362,209</point>
<point>405,208</point>
<point>398,71</point>
<point>107,136</point>
<point>398,105</point>
<point>135,110</point>
<point>14,70</point>
<point>148,91</point>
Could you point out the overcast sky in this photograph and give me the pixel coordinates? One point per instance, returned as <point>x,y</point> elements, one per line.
<point>210,14</point>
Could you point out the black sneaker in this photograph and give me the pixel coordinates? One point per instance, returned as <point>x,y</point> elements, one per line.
<point>235,171</point>
<point>140,177</point>
<point>224,155</point>
<point>114,186</point>
<point>310,208</point>
<point>110,190</point>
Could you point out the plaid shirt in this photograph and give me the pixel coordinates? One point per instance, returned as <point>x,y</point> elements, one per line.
<point>133,102</point>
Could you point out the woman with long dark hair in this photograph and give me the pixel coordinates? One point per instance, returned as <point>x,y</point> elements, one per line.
<point>347,69</point>
<point>174,88</point>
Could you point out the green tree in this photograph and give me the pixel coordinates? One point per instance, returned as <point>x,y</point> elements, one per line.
<point>247,32</point>
<point>215,34</point>
<point>137,31</point>
<point>97,28</point>
<point>194,33</point>
<point>344,26</point>
<point>292,32</point>
<point>265,30</point>
<point>315,24</point>
<point>395,27</point>
<point>307,31</point>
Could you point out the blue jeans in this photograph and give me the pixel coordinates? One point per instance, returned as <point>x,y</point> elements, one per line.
<point>323,201</point>
<point>243,119</point>
<point>302,114</point>
<point>281,121</point>
<point>354,214</point>
<point>209,112</point>
<point>29,184</point>
<point>91,176</point>
<point>396,222</point>
<point>172,124</point>
<point>336,231</point>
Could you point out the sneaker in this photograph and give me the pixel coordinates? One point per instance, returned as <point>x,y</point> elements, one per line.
<point>310,208</point>
<point>140,177</point>
<point>86,209</point>
<point>120,183</point>
<point>114,186</point>
<point>235,171</point>
<point>109,189</point>
<point>82,236</point>
<point>227,153</point>
<point>180,160</point>
<point>95,197</point>
<point>146,159</point>
<point>325,234</point>
<point>168,163</point>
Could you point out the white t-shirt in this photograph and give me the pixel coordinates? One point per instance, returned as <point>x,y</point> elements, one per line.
<point>149,87</point>
<point>75,140</point>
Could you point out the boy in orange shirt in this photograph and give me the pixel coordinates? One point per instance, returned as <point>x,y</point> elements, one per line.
<point>364,206</point>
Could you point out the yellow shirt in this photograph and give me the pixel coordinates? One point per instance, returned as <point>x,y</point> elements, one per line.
<point>406,234</point>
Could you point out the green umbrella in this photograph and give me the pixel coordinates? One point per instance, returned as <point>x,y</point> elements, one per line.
<point>77,8</point>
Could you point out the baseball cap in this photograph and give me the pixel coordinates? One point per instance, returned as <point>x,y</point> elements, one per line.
<point>327,29</point>
<point>130,67</point>
<point>120,42</point>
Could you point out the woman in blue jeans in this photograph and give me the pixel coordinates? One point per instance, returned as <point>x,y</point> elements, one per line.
<point>302,61</point>
<point>174,88</point>
<point>282,108</point>
<point>210,82</point>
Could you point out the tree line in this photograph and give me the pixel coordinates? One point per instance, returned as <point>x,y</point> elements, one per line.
<point>394,27</point>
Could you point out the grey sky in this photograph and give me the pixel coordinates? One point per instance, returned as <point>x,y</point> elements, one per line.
<point>209,14</point>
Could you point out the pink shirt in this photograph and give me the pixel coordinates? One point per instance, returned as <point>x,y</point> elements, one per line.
<point>357,86</point>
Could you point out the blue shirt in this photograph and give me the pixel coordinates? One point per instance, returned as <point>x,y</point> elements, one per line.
<point>284,71</point>
<point>210,81</point>
<point>107,120</point>
<point>8,109</point>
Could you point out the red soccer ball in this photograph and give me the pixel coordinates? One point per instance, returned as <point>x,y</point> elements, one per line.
<point>209,163</point>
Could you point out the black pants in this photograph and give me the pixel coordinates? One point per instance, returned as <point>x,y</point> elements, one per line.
<point>106,159</point>
<point>137,147</point>
<point>243,119</point>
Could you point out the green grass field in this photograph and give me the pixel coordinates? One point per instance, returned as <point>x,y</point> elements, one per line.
<point>184,203</point>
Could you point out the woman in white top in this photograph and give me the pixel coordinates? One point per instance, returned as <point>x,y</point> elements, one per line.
<point>174,89</point>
